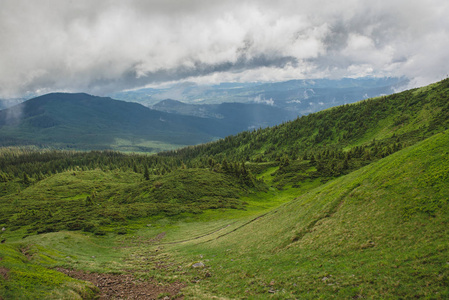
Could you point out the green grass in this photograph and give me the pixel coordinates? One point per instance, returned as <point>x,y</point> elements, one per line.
<point>26,278</point>
<point>142,146</point>
<point>117,199</point>
<point>379,232</point>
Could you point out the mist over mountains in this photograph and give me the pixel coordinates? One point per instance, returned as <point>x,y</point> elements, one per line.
<point>84,122</point>
<point>298,96</point>
<point>195,114</point>
<point>237,116</point>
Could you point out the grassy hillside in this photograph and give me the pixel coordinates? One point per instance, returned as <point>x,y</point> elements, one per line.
<point>22,278</point>
<point>405,117</point>
<point>379,232</point>
<point>107,201</point>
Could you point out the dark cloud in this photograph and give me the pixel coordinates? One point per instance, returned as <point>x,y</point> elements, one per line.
<point>132,78</point>
<point>104,46</point>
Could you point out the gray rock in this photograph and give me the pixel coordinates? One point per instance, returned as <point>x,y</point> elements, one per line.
<point>198,265</point>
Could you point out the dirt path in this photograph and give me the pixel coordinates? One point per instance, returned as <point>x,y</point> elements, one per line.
<point>126,286</point>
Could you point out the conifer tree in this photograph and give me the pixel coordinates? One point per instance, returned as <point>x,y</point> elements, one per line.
<point>26,178</point>
<point>345,164</point>
<point>225,165</point>
<point>146,173</point>
<point>88,201</point>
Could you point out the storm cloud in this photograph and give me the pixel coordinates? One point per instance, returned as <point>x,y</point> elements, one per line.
<point>106,46</point>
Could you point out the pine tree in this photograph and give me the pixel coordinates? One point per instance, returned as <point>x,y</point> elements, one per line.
<point>312,159</point>
<point>146,173</point>
<point>88,201</point>
<point>225,165</point>
<point>26,178</point>
<point>345,164</point>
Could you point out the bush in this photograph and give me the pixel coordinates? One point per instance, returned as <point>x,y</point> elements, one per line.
<point>122,231</point>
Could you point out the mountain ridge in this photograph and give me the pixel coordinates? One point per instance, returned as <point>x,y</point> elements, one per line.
<point>300,96</point>
<point>83,121</point>
<point>242,115</point>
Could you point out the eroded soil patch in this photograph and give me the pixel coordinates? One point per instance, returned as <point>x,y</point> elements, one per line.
<point>126,286</point>
<point>4,273</point>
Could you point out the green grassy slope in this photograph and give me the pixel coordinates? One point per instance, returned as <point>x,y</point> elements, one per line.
<point>24,277</point>
<point>408,117</point>
<point>106,201</point>
<point>380,232</point>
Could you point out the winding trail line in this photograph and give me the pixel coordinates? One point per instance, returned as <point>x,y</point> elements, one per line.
<point>195,238</point>
<point>210,233</point>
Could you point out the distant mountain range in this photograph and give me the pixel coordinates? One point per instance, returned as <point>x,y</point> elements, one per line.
<point>154,123</point>
<point>82,121</point>
<point>5,103</point>
<point>297,96</point>
<point>237,116</point>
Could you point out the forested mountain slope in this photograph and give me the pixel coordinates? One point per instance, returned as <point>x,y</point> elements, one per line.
<point>82,121</point>
<point>406,117</point>
<point>237,116</point>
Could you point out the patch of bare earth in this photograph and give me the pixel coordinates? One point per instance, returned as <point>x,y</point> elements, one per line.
<point>126,286</point>
<point>4,273</point>
<point>26,251</point>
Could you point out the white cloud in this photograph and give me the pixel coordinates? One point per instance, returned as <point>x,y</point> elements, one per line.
<point>261,100</point>
<point>108,45</point>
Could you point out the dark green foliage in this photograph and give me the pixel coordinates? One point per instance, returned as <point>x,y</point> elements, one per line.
<point>338,140</point>
<point>26,179</point>
<point>146,173</point>
<point>89,201</point>
<point>60,202</point>
<point>14,162</point>
<point>411,115</point>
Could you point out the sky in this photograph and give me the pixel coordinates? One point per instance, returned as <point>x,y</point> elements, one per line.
<point>105,46</point>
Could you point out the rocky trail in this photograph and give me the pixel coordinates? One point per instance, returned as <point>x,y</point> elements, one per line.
<point>126,286</point>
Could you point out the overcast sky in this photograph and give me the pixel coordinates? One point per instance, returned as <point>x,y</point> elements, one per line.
<point>105,46</point>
